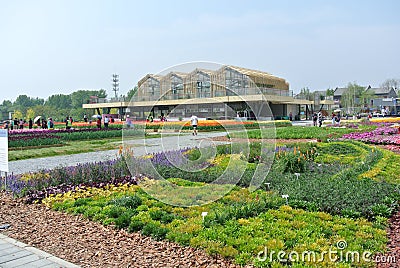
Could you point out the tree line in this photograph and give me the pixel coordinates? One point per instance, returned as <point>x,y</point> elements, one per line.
<point>57,106</point>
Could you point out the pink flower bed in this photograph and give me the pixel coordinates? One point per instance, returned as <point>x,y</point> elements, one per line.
<point>382,135</point>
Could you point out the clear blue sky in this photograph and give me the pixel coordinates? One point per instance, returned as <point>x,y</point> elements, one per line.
<point>59,46</point>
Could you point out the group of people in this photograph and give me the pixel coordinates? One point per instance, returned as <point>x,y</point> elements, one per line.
<point>20,123</point>
<point>16,124</point>
<point>318,118</point>
<point>68,122</point>
<point>106,121</point>
<point>44,124</point>
<point>193,121</point>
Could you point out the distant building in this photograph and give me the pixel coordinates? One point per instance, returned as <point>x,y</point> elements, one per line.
<point>383,98</point>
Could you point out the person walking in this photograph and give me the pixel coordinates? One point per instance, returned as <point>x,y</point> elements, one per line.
<point>85,118</point>
<point>30,123</point>
<point>194,121</point>
<point>98,123</point>
<point>319,119</point>
<point>128,122</point>
<point>314,119</point>
<point>68,122</point>
<point>50,123</point>
<point>44,124</point>
<point>106,121</point>
<point>16,123</point>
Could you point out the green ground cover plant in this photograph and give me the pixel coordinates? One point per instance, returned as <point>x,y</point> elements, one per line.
<point>238,226</point>
<point>315,195</point>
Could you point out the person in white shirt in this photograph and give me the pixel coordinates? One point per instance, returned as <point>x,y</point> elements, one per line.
<point>106,121</point>
<point>194,120</point>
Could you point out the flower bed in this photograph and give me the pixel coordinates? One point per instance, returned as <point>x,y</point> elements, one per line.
<point>327,201</point>
<point>239,226</point>
<point>308,191</point>
<point>382,135</point>
<point>386,120</point>
<point>39,137</point>
<point>216,124</point>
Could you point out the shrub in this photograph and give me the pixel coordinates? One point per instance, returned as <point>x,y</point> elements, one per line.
<point>115,212</point>
<point>124,220</point>
<point>155,230</point>
<point>135,225</point>
<point>292,163</point>
<point>130,202</point>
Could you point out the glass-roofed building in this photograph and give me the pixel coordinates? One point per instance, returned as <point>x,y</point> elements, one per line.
<point>227,92</point>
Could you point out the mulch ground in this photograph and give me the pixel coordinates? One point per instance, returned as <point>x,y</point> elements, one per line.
<point>392,257</point>
<point>89,244</point>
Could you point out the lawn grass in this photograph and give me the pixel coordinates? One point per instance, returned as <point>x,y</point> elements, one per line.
<point>298,132</point>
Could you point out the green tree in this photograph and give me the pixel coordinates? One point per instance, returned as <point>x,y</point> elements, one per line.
<point>101,93</point>
<point>77,113</point>
<point>18,114</point>
<point>23,102</point>
<point>5,108</point>
<point>330,92</point>
<point>60,101</point>
<point>44,111</point>
<point>30,114</point>
<point>351,97</point>
<point>305,93</point>
<point>83,96</point>
<point>366,95</point>
<point>131,93</point>
<point>114,111</point>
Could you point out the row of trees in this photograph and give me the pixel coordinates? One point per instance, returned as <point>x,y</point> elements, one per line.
<point>57,106</point>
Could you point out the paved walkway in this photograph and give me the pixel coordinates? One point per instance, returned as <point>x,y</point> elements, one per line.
<point>17,254</point>
<point>140,147</point>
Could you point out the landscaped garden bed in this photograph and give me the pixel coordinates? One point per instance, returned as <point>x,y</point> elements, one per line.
<point>45,137</point>
<point>317,197</point>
